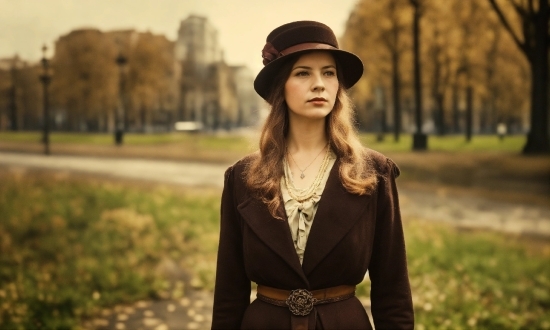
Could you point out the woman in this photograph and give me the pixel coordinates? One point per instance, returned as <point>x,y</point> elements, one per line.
<point>310,213</point>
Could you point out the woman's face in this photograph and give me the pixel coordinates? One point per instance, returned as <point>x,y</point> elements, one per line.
<point>311,88</point>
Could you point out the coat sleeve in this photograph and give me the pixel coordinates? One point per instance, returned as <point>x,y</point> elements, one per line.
<point>390,290</point>
<point>232,287</point>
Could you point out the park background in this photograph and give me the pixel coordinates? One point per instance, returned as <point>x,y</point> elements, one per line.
<point>456,92</point>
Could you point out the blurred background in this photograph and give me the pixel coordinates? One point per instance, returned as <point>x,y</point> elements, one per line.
<point>117,121</point>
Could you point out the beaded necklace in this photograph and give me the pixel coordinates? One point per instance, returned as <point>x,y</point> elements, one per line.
<point>302,195</point>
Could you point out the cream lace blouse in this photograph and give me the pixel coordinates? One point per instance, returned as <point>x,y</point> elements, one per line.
<point>300,215</point>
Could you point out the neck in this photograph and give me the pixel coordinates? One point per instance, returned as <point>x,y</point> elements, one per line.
<point>306,136</point>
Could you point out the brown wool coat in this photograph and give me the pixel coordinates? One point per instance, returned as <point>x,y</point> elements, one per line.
<point>350,235</point>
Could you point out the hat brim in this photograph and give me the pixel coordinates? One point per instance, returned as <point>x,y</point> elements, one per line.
<point>349,64</point>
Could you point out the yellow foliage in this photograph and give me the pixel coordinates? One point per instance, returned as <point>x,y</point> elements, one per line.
<point>462,45</point>
<point>127,218</point>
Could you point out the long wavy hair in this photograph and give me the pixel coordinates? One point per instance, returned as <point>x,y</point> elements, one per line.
<point>265,169</point>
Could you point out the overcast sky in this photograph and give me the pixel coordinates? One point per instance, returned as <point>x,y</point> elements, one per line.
<point>25,25</point>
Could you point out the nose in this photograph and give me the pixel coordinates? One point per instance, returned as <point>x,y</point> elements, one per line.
<point>318,83</point>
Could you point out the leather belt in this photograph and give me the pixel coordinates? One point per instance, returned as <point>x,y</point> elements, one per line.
<point>300,302</point>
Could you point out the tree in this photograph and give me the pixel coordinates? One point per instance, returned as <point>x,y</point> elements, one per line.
<point>468,61</point>
<point>391,39</point>
<point>378,32</point>
<point>419,139</point>
<point>85,82</point>
<point>151,79</point>
<point>20,94</point>
<point>533,43</point>
<point>440,55</point>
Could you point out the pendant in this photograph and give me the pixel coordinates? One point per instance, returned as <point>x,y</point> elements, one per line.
<point>302,175</point>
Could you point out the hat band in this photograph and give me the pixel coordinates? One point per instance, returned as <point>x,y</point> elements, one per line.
<point>269,53</point>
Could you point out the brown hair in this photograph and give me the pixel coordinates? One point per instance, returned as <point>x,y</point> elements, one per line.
<point>264,171</point>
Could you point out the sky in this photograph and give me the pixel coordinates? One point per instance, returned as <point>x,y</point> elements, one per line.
<point>26,25</point>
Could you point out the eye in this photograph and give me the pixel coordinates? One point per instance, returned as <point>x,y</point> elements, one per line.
<point>302,73</point>
<point>330,73</point>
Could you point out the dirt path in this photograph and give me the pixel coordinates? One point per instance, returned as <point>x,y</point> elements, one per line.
<point>178,172</point>
<point>470,207</point>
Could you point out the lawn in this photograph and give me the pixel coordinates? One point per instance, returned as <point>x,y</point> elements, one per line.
<point>71,246</point>
<point>479,143</point>
<point>133,139</point>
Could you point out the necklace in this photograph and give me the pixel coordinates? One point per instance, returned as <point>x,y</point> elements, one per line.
<point>302,195</point>
<point>302,175</point>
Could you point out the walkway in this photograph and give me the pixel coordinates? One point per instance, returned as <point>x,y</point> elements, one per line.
<point>433,203</point>
<point>185,173</point>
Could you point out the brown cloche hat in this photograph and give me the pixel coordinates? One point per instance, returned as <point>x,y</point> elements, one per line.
<point>298,37</point>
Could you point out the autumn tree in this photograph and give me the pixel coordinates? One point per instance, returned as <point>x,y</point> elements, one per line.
<point>440,58</point>
<point>152,84</point>
<point>20,94</point>
<point>85,79</point>
<point>419,138</point>
<point>472,71</point>
<point>89,86</point>
<point>377,31</point>
<point>29,97</point>
<point>533,41</point>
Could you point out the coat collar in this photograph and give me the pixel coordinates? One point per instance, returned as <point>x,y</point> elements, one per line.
<point>337,212</point>
<point>273,232</point>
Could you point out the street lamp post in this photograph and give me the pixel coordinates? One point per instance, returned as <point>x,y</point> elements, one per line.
<point>46,78</point>
<point>120,115</point>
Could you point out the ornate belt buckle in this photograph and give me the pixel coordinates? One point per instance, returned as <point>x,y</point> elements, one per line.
<point>300,302</point>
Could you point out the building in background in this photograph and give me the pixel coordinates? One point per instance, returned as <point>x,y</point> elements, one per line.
<point>249,101</point>
<point>211,91</point>
<point>158,83</point>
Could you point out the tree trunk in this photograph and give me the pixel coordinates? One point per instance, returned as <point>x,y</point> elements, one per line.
<point>419,139</point>
<point>417,77</point>
<point>13,102</point>
<point>456,111</point>
<point>396,85</point>
<point>469,112</point>
<point>538,139</point>
<point>439,101</point>
<point>535,48</point>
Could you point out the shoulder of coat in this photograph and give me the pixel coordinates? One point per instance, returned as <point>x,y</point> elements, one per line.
<point>241,165</point>
<point>383,165</point>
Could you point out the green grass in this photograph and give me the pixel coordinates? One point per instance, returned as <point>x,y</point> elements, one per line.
<point>69,247</point>
<point>476,279</point>
<point>135,139</point>
<point>479,143</point>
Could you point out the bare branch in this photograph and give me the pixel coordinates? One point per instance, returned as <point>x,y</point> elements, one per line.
<point>507,26</point>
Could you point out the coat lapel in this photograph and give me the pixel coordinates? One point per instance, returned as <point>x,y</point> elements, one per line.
<point>338,211</point>
<point>273,232</point>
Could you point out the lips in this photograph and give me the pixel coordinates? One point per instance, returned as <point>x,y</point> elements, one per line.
<point>317,99</point>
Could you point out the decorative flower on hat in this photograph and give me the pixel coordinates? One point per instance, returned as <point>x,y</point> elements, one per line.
<point>269,53</point>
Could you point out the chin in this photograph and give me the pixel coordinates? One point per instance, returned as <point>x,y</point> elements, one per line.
<point>320,114</point>
<point>313,113</point>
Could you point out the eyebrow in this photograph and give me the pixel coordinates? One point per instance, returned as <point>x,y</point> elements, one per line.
<point>309,68</point>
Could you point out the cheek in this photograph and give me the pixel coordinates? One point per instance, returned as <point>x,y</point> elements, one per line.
<point>334,88</point>
<point>291,91</point>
